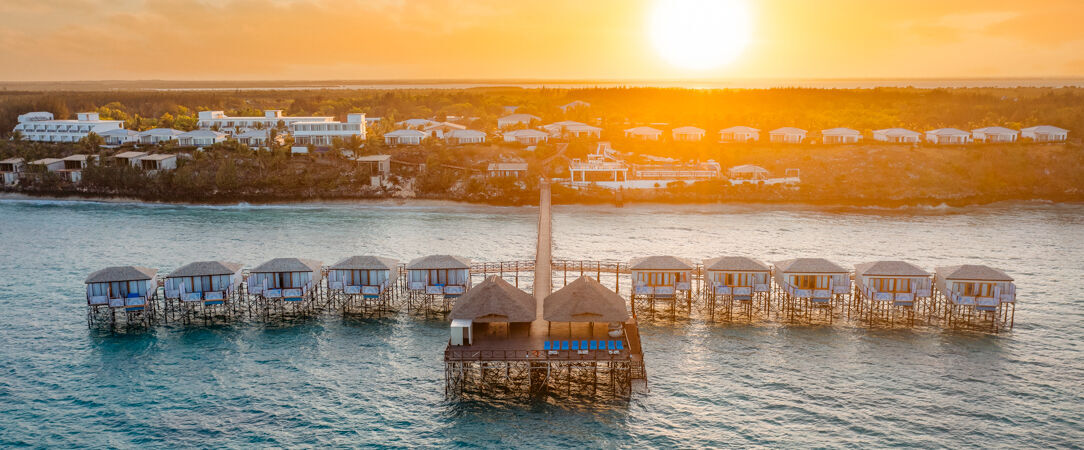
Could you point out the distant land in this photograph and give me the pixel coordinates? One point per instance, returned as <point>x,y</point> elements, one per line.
<point>758,83</point>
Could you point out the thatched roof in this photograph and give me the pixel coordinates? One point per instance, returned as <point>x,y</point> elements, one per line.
<point>735,264</point>
<point>972,272</point>
<point>288,265</point>
<point>809,265</point>
<point>439,262</point>
<point>495,300</point>
<point>122,273</point>
<point>366,262</point>
<point>206,268</point>
<point>890,268</point>
<point>584,300</point>
<point>660,263</point>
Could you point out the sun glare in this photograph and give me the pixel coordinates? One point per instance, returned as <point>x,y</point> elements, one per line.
<point>700,34</point>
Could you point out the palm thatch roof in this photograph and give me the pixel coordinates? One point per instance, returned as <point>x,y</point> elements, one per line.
<point>735,264</point>
<point>584,300</point>
<point>365,262</point>
<point>972,272</point>
<point>660,263</point>
<point>206,268</point>
<point>809,265</point>
<point>439,262</point>
<point>288,265</point>
<point>495,300</point>
<point>890,268</point>
<point>121,273</point>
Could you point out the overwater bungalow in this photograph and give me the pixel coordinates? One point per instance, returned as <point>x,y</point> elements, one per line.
<point>975,292</point>
<point>291,280</point>
<point>738,279</point>
<point>494,307</point>
<point>889,290</point>
<point>205,285</point>
<point>446,276</point>
<point>361,280</point>
<point>807,283</point>
<point>126,289</point>
<point>586,301</point>
<point>661,277</point>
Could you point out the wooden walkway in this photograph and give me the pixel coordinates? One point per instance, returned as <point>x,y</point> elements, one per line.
<point>543,270</point>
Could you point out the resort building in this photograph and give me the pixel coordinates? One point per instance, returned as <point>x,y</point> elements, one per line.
<point>119,136</point>
<point>290,279</point>
<point>416,124</point>
<point>439,129</point>
<point>739,135</point>
<point>994,135</point>
<point>200,138</point>
<point>747,173</point>
<point>128,158</point>
<point>677,171</point>
<point>272,118</point>
<point>660,276</point>
<point>643,133</point>
<point>572,129</point>
<point>1045,133</point>
<point>787,135</point>
<point>840,136</point>
<point>516,119</point>
<point>404,137</point>
<point>73,167</point>
<point>363,275</point>
<point>526,136</point>
<point>897,136</point>
<point>968,289</point>
<point>460,137</point>
<point>207,282</point>
<point>948,136</point>
<point>10,170</point>
<point>320,135</point>
<point>494,307</point>
<point>575,104</point>
<point>883,287</point>
<point>600,166</point>
<point>688,134</point>
<point>816,279</point>
<point>445,275</point>
<point>124,287</point>
<point>156,162</point>
<point>737,276</point>
<point>42,127</point>
<point>259,139</point>
<point>379,167</point>
<point>155,136</point>
<point>45,165</point>
<point>507,170</point>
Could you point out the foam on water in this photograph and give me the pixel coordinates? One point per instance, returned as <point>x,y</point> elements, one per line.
<point>338,381</point>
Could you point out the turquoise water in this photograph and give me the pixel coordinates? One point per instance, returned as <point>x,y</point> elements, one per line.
<point>334,381</point>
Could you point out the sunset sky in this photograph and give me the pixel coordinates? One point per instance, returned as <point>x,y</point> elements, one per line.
<point>44,40</point>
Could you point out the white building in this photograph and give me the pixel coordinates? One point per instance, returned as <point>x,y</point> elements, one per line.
<point>688,134</point>
<point>507,170</point>
<point>10,169</point>
<point>218,120</point>
<point>526,137</point>
<point>379,167</point>
<point>439,129</point>
<point>994,134</point>
<point>404,137</point>
<point>600,166</point>
<point>41,127</point>
<point>897,136</point>
<point>643,133</point>
<point>259,139</point>
<point>570,128</point>
<point>840,136</point>
<point>948,136</point>
<point>416,123</point>
<point>459,137</point>
<point>153,163</point>
<point>156,136</point>
<point>516,119</point>
<point>129,158</point>
<point>787,135</point>
<point>575,104</point>
<point>200,138</point>
<point>321,134</point>
<point>119,136</point>
<point>46,165</point>
<point>1045,133</point>
<point>739,134</point>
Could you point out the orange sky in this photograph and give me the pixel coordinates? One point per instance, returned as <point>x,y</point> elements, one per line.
<point>524,39</point>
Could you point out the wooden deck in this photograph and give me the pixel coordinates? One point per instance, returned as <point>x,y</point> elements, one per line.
<point>523,342</point>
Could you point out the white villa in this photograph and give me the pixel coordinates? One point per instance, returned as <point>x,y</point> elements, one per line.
<point>739,134</point>
<point>416,123</point>
<point>817,279</point>
<point>897,136</point>
<point>516,119</point>
<point>643,133</point>
<point>41,127</point>
<point>512,170</point>
<point>157,162</point>
<point>1045,133</point>
<point>73,167</point>
<point>404,137</point>
<point>200,138</point>
<point>158,135</point>
<point>119,136</point>
<point>948,136</point>
<point>460,137</point>
<point>46,165</point>
<point>526,137</point>
<point>688,134</point>
<point>439,129</point>
<point>10,169</point>
<point>218,120</point>
<point>994,134</point>
<point>259,139</point>
<point>787,135</point>
<point>129,158</point>
<point>840,136</point>
<point>321,134</point>
<point>575,104</point>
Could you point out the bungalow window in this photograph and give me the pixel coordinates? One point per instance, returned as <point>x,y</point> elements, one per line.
<point>810,282</point>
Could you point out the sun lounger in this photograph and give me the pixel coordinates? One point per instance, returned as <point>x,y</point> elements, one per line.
<point>594,345</point>
<point>575,345</point>
<point>564,345</point>
<point>620,345</point>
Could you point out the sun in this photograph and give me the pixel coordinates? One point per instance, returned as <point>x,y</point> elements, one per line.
<point>700,34</point>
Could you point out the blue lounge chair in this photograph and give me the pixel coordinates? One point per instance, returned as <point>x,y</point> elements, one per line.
<point>564,345</point>
<point>620,345</point>
<point>546,345</point>
<point>575,345</point>
<point>583,345</point>
<point>594,345</point>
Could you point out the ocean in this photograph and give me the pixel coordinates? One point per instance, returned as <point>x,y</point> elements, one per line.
<point>334,381</point>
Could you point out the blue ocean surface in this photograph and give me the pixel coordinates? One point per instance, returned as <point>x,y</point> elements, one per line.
<point>335,381</point>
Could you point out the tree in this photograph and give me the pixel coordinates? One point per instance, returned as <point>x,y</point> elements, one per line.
<point>92,142</point>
